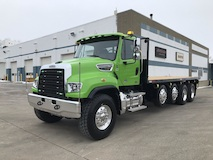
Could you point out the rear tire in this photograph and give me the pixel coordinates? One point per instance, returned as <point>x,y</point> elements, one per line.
<point>98,117</point>
<point>46,117</point>
<point>173,93</point>
<point>161,96</point>
<point>191,92</point>
<point>182,94</point>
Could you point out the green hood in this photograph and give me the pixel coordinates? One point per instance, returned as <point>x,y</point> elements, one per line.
<point>87,64</point>
<point>90,76</point>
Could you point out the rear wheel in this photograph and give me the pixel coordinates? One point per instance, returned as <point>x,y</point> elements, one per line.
<point>46,117</point>
<point>161,96</point>
<point>191,92</point>
<point>98,117</point>
<point>173,93</point>
<point>182,95</point>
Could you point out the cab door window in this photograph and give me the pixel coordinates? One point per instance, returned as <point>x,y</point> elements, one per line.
<point>127,49</point>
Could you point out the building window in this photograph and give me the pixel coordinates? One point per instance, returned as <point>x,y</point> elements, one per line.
<point>144,26</point>
<point>163,34</point>
<point>158,31</point>
<point>183,42</point>
<point>200,73</point>
<point>177,39</point>
<point>153,30</point>
<point>170,37</point>
<point>194,70</point>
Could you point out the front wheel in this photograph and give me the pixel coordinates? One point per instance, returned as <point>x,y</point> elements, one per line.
<point>98,117</point>
<point>46,117</point>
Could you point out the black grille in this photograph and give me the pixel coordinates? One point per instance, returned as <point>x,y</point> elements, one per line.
<point>51,83</point>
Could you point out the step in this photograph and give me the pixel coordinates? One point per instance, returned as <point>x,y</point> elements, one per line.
<point>137,108</point>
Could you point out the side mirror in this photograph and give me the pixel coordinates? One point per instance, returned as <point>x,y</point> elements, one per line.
<point>136,49</point>
<point>136,56</point>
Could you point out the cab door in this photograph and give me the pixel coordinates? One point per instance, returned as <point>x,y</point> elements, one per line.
<point>128,68</point>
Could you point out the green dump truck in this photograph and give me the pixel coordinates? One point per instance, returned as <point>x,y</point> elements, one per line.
<point>108,76</point>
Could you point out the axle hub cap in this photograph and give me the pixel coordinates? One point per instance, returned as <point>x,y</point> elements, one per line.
<point>184,95</point>
<point>192,92</point>
<point>162,96</point>
<point>103,117</point>
<point>174,93</point>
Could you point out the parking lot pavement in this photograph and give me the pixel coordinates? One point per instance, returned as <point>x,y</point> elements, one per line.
<point>173,132</point>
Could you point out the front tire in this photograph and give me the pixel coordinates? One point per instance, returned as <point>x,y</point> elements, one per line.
<point>46,117</point>
<point>98,117</point>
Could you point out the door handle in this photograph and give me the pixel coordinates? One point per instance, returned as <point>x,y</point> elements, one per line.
<point>136,71</point>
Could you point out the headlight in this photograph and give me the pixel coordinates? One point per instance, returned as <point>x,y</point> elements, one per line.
<point>74,86</point>
<point>35,83</point>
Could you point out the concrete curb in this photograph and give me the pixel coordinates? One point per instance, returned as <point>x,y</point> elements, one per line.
<point>204,87</point>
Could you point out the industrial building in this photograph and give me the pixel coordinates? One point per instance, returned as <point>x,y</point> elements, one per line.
<point>22,62</point>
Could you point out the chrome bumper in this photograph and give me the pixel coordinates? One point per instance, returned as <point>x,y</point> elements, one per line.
<point>55,106</point>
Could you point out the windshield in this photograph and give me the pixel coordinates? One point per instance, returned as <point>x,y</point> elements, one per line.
<point>103,47</point>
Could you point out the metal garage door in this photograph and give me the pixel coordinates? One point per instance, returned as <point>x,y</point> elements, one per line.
<point>28,68</point>
<point>2,70</point>
<point>45,60</point>
<point>67,56</point>
<point>14,71</point>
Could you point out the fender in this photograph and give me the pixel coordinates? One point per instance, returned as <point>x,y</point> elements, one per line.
<point>102,88</point>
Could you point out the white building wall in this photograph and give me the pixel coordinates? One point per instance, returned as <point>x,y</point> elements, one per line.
<point>2,65</point>
<point>200,65</point>
<point>8,42</point>
<point>2,70</point>
<point>199,61</point>
<point>55,45</point>
<point>199,49</point>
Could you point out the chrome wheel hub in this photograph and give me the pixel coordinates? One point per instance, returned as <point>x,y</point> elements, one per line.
<point>103,117</point>
<point>192,92</point>
<point>162,96</point>
<point>174,93</point>
<point>184,95</point>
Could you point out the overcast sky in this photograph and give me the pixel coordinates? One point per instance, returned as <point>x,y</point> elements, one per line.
<point>29,19</point>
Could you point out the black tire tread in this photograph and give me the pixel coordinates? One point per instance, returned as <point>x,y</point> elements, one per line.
<point>170,100</point>
<point>83,121</point>
<point>189,99</point>
<point>180,97</point>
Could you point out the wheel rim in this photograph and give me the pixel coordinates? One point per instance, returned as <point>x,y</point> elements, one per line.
<point>103,117</point>
<point>184,94</point>
<point>162,96</point>
<point>174,93</point>
<point>192,92</point>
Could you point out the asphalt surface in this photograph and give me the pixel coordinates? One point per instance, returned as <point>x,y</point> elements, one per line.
<point>174,132</point>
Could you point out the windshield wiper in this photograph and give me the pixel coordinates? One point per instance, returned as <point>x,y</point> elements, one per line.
<point>92,56</point>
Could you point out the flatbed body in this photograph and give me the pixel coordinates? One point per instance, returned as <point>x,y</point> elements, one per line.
<point>164,79</point>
